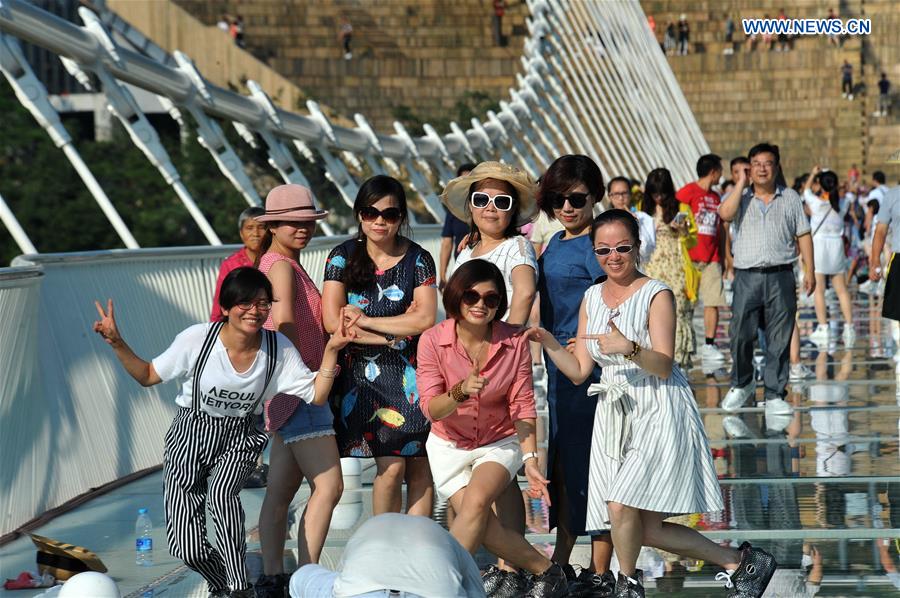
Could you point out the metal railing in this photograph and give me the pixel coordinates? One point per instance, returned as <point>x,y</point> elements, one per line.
<point>593,80</point>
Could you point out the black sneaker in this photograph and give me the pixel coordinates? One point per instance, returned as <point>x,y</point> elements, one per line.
<point>551,583</point>
<point>219,593</point>
<point>258,478</point>
<point>245,593</point>
<point>753,575</point>
<point>513,585</point>
<point>592,585</point>
<point>272,586</point>
<point>629,589</point>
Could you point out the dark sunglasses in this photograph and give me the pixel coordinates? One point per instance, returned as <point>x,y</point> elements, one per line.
<point>491,298</point>
<point>389,215</point>
<point>481,200</point>
<point>576,200</point>
<point>608,250</point>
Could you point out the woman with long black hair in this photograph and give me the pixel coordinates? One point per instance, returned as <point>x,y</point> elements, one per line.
<point>827,210</point>
<point>676,232</point>
<point>386,283</point>
<point>230,369</point>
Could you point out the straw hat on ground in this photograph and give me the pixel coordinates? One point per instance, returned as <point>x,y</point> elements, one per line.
<point>291,203</point>
<point>456,194</point>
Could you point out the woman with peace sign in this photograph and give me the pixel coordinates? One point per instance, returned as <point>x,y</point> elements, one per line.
<point>650,457</point>
<point>228,369</point>
<point>475,386</point>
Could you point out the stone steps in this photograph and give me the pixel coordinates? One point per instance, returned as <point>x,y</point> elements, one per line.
<point>790,98</point>
<point>420,58</point>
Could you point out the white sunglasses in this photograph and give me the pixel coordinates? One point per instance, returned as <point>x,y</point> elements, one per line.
<point>481,200</point>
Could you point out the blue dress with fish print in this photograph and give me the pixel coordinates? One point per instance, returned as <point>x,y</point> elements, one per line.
<point>375,402</point>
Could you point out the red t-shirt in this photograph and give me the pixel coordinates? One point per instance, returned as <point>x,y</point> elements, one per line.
<point>705,206</point>
<point>236,260</point>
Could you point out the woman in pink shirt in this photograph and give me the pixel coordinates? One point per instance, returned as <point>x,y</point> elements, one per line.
<point>475,386</point>
<point>303,442</point>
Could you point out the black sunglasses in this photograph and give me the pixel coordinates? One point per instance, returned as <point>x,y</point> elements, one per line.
<point>608,250</point>
<point>491,298</point>
<point>576,200</point>
<point>389,215</point>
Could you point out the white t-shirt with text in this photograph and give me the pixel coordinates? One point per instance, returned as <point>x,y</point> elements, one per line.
<point>226,392</point>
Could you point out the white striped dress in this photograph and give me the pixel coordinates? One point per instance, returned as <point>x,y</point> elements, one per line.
<point>649,449</point>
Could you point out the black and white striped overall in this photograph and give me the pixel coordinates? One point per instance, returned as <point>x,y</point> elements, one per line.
<point>208,459</point>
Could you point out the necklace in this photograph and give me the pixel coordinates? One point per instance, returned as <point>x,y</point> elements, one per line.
<point>476,359</point>
<point>614,309</point>
<point>387,261</point>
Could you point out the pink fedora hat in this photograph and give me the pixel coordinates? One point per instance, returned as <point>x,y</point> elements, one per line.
<point>291,202</point>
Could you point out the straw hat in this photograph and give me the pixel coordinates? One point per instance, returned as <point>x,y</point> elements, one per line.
<point>62,560</point>
<point>292,203</point>
<point>456,194</point>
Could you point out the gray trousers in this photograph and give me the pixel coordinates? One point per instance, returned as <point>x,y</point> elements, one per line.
<point>767,300</point>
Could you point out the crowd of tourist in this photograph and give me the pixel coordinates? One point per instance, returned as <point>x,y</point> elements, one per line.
<point>363,369</point>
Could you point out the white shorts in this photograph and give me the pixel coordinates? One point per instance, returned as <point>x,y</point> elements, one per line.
<point>451,468</point>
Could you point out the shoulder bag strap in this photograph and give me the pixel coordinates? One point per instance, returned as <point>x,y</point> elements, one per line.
<point>205,351</point>
<point>827,214</point>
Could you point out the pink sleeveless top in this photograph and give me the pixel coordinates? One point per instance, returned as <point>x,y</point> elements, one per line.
<point>310,331</point>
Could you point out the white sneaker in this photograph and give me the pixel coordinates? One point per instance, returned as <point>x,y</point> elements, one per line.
<point>821,335</point>
<point>778,414</point>
<point>777,423</point>
<point>736,397</point>
<point>801,372</point>
<point>778,407</point>
<point>711,353</point>
<point>849,335</point>
<point>735,427</point>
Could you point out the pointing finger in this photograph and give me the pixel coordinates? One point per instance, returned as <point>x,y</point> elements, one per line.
<point>99,309</point>
<point>109,307</point>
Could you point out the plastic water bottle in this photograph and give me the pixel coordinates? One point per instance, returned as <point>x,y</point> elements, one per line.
<point>143,544</point>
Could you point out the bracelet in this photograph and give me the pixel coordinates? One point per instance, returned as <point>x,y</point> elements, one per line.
<point>326,373</point>
<point>635,350</point>
<point>456,393</point>
<point>527,456</point>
